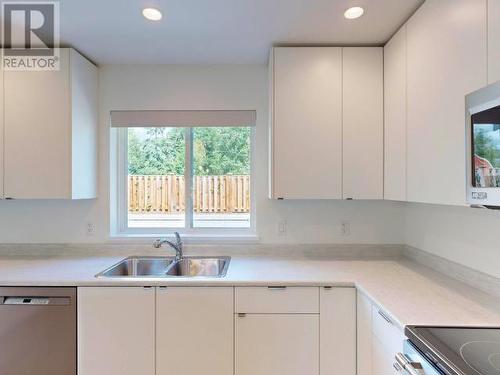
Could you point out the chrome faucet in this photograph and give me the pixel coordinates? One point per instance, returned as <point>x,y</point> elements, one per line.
<point>177,246</point>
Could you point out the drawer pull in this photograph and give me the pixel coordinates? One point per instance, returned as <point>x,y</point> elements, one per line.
<point>384,316</point>
<point>241,315</point>
<point>276,287</point>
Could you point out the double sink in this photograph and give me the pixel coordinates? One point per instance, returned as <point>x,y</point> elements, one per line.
<point>136,266</point>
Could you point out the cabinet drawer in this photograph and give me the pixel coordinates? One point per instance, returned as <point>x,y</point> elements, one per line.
<point>387,333</point>
<point>277,300</point>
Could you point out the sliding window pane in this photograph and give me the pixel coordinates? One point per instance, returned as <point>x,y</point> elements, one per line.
<point>221,177</point>
<point>156,164</point>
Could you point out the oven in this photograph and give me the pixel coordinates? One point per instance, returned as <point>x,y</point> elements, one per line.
<point>450,350</point>
<point>412,362</point>
<point>483,146</point>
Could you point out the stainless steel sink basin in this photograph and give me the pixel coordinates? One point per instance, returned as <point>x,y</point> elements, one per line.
<point>167,267</point>
<point>199,266</point>
<point>139,267</point>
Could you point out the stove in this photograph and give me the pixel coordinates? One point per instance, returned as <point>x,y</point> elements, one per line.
<point>454,350</point>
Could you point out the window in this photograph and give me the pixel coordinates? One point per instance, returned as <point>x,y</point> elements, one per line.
<point>192,179</point>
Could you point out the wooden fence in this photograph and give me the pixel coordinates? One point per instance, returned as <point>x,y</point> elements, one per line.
<point>211,194</point>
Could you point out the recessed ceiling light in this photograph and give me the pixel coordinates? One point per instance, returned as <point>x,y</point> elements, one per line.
<point>353,13</point>
<point>151,14</point>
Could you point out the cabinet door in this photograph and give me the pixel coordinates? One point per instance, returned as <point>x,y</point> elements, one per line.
<point>493,41</point>
<point>364,335</point>
<point>277,344</point>
<point>37,140</point>
<point>116,331</point>
<point>387,340</point>
<point>84,125</point>
<point>395,117</point>
<point>306,141</point>
<point>446,59</point>
<point>1,134</point>
<point>382,361</point>
<point>363,123</point>
<point>338,331</point>
<point>194,333</point>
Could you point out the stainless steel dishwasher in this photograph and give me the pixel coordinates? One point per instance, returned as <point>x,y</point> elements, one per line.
<point>37,331</point>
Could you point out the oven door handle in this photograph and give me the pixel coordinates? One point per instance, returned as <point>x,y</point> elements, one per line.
<point>412,368</point>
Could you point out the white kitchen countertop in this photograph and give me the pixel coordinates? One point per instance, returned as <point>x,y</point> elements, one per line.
<point>408,292</point>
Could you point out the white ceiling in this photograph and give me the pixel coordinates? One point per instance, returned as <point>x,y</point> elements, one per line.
<point>220,31</point>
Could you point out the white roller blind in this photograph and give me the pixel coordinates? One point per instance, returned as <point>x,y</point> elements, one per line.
<point>154,118</point>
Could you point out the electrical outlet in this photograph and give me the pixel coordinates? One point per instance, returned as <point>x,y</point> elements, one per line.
<point>90,229</point>
<point>345,228</point>
<point>282,228</point>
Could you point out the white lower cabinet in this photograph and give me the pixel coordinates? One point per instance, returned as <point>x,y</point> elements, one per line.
<point>194,331</point>
<point>121,328</point>
<point>382,360</point>
<point>274,344</point>
<point>338,331</point>
<point>225,331</point>
<point>277,330</point>
<point>364,334</point>
<point>295,331</point>
<point>116,331</point>
<point>378,339</point>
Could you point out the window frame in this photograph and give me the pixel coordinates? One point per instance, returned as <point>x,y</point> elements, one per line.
<point>122,229</point>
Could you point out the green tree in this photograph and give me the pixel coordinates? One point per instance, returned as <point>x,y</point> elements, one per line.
<point>221,151</point>
<point>217,151</point>
<point>485,147</point>
<point>158,151</point>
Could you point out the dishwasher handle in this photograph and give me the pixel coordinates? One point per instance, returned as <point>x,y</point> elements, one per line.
<point>36,301</point>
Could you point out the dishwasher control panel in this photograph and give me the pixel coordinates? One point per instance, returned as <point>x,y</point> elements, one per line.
<point>26,301</point>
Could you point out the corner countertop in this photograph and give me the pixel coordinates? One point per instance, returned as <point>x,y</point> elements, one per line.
<point>408,292</point>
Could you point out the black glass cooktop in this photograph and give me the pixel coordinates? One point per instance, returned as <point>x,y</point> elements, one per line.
<point>459,350</point>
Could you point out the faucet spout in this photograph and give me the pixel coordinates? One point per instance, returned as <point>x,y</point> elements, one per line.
<point>177,245</point>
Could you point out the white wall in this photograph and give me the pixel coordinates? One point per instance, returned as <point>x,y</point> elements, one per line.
<point>197,87</point>
<point>465,235</point>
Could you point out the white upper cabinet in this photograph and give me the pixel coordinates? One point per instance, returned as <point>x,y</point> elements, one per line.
<point>194,330</point>
<point>493,41</point>
<point>363,123</point>
<point>50,137</point>
<point>446,59</point>
<point>1,134</point>
<point>326,123</point>
<point>395,117</point>
<point>306,123</point>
